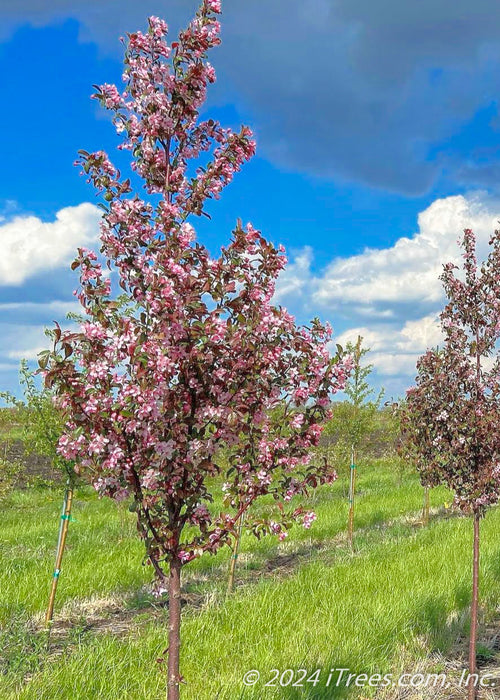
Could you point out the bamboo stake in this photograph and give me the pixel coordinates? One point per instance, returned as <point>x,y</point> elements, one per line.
<point>352,486</point>
<point>63,531</point>
<point>234,556</point>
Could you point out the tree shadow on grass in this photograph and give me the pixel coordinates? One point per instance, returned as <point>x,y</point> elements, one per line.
<point>440,621</point>
<point>294,687</point>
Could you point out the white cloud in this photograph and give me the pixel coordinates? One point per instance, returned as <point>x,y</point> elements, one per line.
<point>374,339</point>
<point>394,351</point>
<point>417,336</point>
<point>391,364</point>
<point>392,297</point>
<point>29,245</point>
<point>295,278</point>
<point>376,281</point>
<point>18,341</point>
<point>58,307</point>
<point>28,353</point>
<point>408,272</point>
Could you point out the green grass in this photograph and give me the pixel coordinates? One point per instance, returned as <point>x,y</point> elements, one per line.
<point>9,429</point>
<point>13,433</point>
<point>403,593</point>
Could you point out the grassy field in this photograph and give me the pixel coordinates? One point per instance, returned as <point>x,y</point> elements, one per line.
<point>308,603</point>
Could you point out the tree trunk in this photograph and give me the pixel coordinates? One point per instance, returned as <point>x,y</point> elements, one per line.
<point>426,508</point>
<point>473,616</point>
<point>174,629</point>
<point>63,531</point>
<point>234,556</point>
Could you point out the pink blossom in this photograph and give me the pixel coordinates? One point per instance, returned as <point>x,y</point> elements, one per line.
<point>214,5</point>
<point>149,479</point>
<point>274,527</point>
<point>98,444</point>
<point>308,520</point>
<point>297,421</point>
<point>94,331</point>
<point>264,477</point>
<point>187,234</point>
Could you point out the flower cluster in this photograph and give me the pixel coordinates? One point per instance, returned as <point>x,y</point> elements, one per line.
<point>157,114</point>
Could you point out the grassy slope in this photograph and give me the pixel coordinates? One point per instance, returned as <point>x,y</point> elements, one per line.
<point>399,596</point>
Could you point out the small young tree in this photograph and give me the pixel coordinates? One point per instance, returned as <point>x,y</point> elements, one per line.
<point>42,426</point>
<point>353,421</point>
<point>364,401</point>
<point>200,357</point>
<point>451,420</point>
<point>363,412</point>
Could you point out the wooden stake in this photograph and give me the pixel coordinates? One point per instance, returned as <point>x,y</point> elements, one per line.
<point>63,531</point>
<point>352,487</point>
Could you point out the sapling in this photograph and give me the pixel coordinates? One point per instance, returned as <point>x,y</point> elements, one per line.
<point>451,419</point>
<point>42,425</point>
<point>361,421</point>
<point>154,390</point>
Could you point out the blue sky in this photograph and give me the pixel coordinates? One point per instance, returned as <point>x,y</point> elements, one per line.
<point>378,142</point>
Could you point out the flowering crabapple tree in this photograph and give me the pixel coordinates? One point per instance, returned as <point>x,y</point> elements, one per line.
<point>197,358</point>
<point>450,421</point>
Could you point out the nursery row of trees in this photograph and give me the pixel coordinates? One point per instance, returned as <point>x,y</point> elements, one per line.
<point>357,424</point>
<point>194,359</point>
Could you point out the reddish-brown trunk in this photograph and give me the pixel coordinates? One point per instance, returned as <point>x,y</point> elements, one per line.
<point>234,556</point>
<point>426,508</point>
<point>475,566</point>
<point>473,615</point>
<point>174,629</point>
